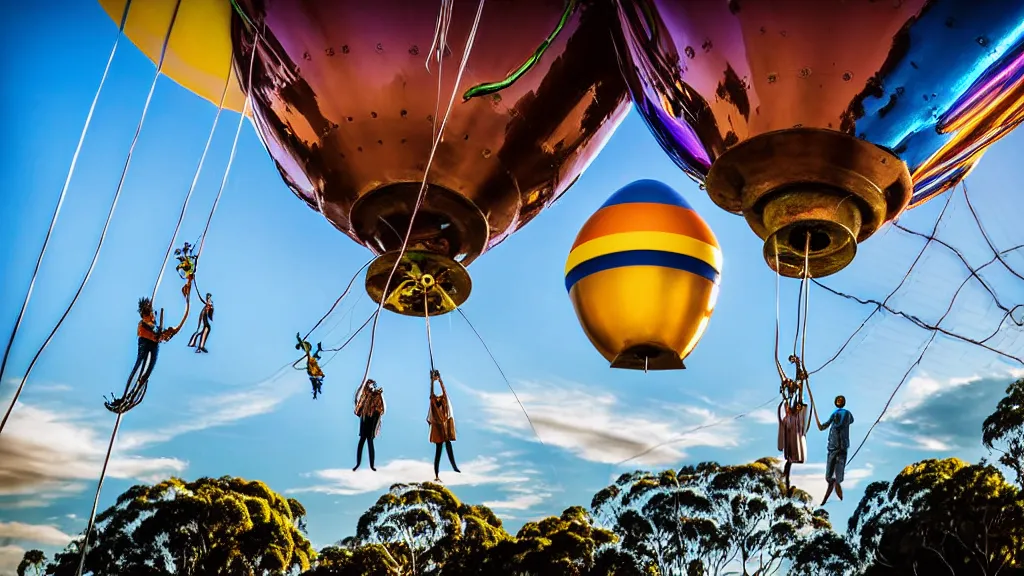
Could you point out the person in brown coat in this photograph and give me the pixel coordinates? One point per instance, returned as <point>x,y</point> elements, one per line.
<point>370,408</point>
<point>442,424</point>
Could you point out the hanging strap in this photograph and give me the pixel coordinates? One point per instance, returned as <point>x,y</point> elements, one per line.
<point>426,317</point>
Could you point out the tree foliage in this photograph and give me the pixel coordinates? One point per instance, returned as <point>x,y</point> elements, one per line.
<point>711,519</point>
<point>226,526</point>
<point>1005,426</point>
<point>33,560</point>
<point>935,517</point>
<point>941,517</point>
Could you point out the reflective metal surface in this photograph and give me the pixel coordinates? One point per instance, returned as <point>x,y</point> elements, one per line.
<point>643,277</point>
<point>346,105</point>
<point>933,82</point>
<point>424,284</point>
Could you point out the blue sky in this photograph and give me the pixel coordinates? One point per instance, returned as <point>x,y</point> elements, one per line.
<point>274,267</point>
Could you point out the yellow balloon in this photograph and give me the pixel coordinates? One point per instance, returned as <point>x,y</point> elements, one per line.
<point>643,277</point>
<point>199,51</point>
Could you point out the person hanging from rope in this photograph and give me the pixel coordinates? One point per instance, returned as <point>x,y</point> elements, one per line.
<point>198,339</point>
<point>370,408</point>
<point>838,444</point>
<point>316,375</point>
<point>442,424</point>
<point>186,267</point>
<point>150,335</point>
<point>792,434</point>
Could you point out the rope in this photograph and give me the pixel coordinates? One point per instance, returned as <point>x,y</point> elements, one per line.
<point>893,395</point>
<point>99,487</point>
<point>120,186</point>
<point>338,301</point>
<point>882,304</point>
<point>423,185</point>
<point>934,327</point>
<point>60,204</point>
<point>778,313</point>
<point>681,436</point>
<point>985,235</point>
<point>136,395</point>
<point>430,342</point>
<point>192,186</point>
<point>106,224</point>
<point>502,372</point>
<point>231,157</point>
<point>351,337</point>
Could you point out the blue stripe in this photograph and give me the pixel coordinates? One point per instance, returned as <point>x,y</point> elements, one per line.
<point>640,258</point>
<point>647,191</point>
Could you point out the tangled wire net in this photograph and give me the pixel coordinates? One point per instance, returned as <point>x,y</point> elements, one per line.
<point>952,272</point>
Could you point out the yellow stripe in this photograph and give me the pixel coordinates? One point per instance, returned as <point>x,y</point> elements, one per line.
<point>664,241</point>
<point>199,53</point>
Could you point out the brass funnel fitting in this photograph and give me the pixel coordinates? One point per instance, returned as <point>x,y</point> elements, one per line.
<point>423,283</point>
<point>791,184</point>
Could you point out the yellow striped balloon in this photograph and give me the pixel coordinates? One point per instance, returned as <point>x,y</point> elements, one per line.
<point>643,277</point>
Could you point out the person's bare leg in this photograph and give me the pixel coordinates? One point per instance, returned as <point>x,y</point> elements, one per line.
<point>785,472</point>
<point>437,462</point>
<point>828,492</point>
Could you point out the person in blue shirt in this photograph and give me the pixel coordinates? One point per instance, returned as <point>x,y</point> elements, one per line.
<point>838,444</point>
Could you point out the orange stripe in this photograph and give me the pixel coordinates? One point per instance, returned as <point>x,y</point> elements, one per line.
<point>645,217</point>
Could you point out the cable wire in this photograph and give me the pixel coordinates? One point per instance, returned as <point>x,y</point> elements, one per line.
<point>423,185</point>
<point>56,211</point>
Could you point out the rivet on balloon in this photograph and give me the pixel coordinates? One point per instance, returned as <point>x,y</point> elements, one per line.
<point>373,114</point>
<point>380,47</point>
<point>344,49</point>
<point>847,76</point>
<point>486,153</point>
<point>707,45</point>
<point>982,40</point>
<point>306,56</point>
<point>359,148</point>
<point>329,51</point>
<point>805,72</point>
<point>414,50</point>
<point>772,77</point>
<point>404,113</point>
<point>690,52</point>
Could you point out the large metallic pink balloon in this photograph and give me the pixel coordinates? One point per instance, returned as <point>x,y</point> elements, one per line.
<point>348,108</point>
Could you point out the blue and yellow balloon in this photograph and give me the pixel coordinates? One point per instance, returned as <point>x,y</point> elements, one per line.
<point>643,277</point>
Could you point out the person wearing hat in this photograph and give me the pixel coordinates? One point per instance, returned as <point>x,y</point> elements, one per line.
<point>370,408</point>
<point>838,444</point>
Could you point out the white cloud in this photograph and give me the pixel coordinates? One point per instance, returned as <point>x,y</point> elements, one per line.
<point>10,557</point>
<point>764,416</point>
<point>597,427</point>
<point>921,442</point>
<point>37,533</point>
<point>223,409</point>
<point>920,388</point>
<point>811,479</point>
<point>522,501</point>
<point>479,471</point>
<point>48,454</point>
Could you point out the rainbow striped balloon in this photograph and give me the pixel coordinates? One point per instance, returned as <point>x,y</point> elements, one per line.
<point>643,277</point>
